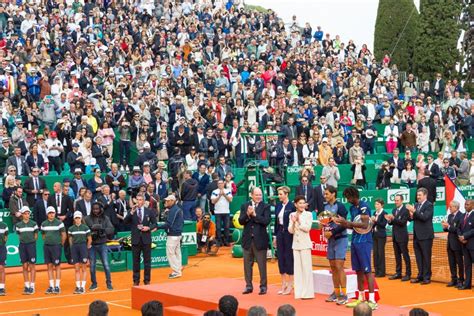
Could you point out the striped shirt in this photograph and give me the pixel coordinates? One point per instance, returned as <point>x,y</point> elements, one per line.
<point>3,233</point>
<point>79,234</point>
<point>26,231</point>
<point>52,231</point>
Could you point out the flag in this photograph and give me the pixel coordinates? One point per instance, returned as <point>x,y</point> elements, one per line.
<point>453,193</point>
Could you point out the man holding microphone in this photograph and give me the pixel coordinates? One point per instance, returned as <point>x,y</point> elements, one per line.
<point>255,217</point>
<point>142,221</point>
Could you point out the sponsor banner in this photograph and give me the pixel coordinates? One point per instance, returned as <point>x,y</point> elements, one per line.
<point>320,243</point>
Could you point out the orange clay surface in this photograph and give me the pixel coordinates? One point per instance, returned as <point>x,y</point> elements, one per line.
<point>435,297</point>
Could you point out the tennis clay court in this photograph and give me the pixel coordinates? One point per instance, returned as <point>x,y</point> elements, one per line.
<point>435,297</point>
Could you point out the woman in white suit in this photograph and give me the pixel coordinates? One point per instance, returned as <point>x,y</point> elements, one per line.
<point>299,226</point>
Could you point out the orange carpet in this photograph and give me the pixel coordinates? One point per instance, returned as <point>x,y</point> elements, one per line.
<point>435,297</point>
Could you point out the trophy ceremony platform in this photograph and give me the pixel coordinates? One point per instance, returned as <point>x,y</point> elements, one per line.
<point>189,298</point>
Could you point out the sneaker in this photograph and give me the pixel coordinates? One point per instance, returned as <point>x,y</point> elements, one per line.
<point>332,298</point>
<point>174,275</point>
<point>93,287</point>
<point>26,291</point>
<point>353,303</point>
<point>57,290</point>
<point>342,300</point>
<point>32,290</point>
<point>2,292</point>
<point>50,290</point>
<point>110,287</point>
<point>82,290</point>
<point>122,168</point>
<point>372,305</point>
<point>77,291</point>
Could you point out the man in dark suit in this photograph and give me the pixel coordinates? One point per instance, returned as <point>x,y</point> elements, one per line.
<point>454,246</point>
<point>466,237</point>
<point>34,186</point>
<point>306,189</point>
<point>433,168</point>
<point>396,163</point>
<point>85,205</point>
<point>428,183</point>
<point>255,217</point>
<point>398,219</point>
<point>39,211</point>
<point>143,222</point>
<point>19,162</point>
<point>379,236</point>
<point>423,234</point>
<point>318,196</point>
<point>62,203</point>
<point>241,147</point>
<point>107,202</point>
<point>437,87</point>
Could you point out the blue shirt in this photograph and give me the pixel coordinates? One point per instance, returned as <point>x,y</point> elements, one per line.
<point>339,209</point>
<point>362,209</point>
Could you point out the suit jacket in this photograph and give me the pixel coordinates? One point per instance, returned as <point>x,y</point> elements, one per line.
<point>379,228</point>
<point>11,161</point>
<point>149,219</point>
<point>429,184</point>
<point>13,205</point>
<point>30,161</point>
<point>255,228</point>
<point>435,172</point>
<point>318,198</point>
<point>423,221</point>
<point>29,186</point>
<point>454,222</point>
<point>39,211</point>
<point>466,229</point>
<point>290,208</point>
<point>67,207</point>
<point>399,225</point>
<point>202,184</point>
<point>300,231</point>
<point>81,207</point>
<point>310,195</point>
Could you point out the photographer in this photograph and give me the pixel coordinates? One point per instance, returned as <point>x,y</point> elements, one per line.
<point>101,229</point>
<point>383,177</point>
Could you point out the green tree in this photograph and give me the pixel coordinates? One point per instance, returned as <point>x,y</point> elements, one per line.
<point>439,31</point>
<point>395,32</point>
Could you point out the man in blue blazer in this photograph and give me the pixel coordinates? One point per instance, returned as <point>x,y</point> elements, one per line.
<point>143,222</point>
<point>203,180</point>
<point>454,246</point>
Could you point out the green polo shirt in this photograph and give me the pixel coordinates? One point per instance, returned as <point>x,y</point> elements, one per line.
<point>79,234</point>
<point>26,231</point>
<point>52,231</point>
<point>3,233</point>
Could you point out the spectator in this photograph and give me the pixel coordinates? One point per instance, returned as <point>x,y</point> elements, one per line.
<point>257,311</point>
<point>228,305</point>
<point>331,172</point>
<point>363,309</point>
<point>152,308</point>
<point>358,172</point>
<point>409,176</point>
<point>418,312</point>
<point>98,308</point>
<point>286,310</point>
<point>383,177</point>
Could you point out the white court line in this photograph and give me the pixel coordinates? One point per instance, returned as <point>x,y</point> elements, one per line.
<point>440,302</point>
<point>61,296</point>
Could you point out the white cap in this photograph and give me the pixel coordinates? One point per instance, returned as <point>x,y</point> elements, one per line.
<point>170,197</point>
<point>50,209</point>
<point>325,139</point>
<point>25,209</point>
<point>77,214</point>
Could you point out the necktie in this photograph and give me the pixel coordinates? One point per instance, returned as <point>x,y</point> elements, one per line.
<point>465,220</point>
<point>36,184</point>
<point>58,202</point>
<point>139,215</point>
<point>20,203</point>
<point>305,193</point>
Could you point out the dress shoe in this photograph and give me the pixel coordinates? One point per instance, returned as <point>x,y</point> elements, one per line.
<point>395,277</point>
<point>451,284</point>
<point>405,278</point>
<point>263,291</point>
<point>415,281</point>
<point>146,283</point>
<point>425,282</point>
<point>459,285</point>
<point>463,287</point>
<point>247,291</point>
<point>380,275</point>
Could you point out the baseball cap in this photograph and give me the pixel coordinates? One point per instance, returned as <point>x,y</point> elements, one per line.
<point>50,209</point>
<point>53,134</point>
<point>77,214</point>
<point>25,209</point>
<point>78,170</point>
